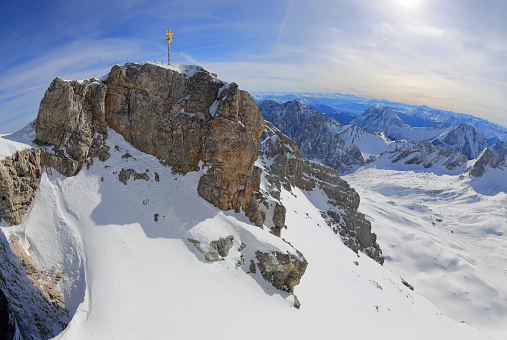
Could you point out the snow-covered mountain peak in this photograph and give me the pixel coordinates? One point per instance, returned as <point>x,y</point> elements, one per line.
<point>377,117</point>
<point>463,139</point>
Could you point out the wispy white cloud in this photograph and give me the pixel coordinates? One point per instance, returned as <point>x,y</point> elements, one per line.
<point>23,86</point>
<point>449,54</point>
<point>425,31</point>
<point>282,26</point>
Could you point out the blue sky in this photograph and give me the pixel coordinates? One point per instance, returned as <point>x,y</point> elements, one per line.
<point>446,54</point>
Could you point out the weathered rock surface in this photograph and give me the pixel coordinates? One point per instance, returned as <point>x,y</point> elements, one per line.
<point>19,178</point>
<point>182,120</point>
<point>283,271</point>
<point>72,118</point>
<point>427,155</point>
<point>215,250</point>
<point>487,159</point>
<point>285,166</point>
<point>43,280</point>
<point>19,175</point>
<point>30,312</point>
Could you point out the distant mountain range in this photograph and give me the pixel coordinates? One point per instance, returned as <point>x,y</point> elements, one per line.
<point>345,108</point>
<point>380,138</point>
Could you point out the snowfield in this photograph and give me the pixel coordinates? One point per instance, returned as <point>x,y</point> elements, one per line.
<point>131,273</point>
<point>444,238</point>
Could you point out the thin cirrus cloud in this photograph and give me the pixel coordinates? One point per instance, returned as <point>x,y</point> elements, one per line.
<point>445,54</point>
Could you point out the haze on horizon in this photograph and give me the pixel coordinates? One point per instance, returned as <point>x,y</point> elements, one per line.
<point>445,54</point>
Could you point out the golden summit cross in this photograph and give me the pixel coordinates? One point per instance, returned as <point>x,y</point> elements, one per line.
<point>169,34</point>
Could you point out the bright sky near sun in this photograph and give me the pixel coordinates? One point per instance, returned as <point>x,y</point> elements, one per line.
<point>445,54</point>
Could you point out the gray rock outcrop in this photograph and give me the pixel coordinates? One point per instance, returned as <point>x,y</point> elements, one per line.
<point>487,159</point>
<point>427,155</point>
<point>283,271</point>
<point>317,135</point>
<point>19,178</point>
<point>285,166</point>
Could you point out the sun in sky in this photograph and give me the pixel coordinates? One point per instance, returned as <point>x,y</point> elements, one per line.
<point>409,4</point>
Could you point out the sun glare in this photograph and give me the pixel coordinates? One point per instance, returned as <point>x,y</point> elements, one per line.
<point>409,4</point>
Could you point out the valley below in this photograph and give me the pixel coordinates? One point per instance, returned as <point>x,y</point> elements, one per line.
<point>442,237</point>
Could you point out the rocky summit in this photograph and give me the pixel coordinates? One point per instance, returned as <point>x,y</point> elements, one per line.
<point>181,120</point>
<point>190,121</point>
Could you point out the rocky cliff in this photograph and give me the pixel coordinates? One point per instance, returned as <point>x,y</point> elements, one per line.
<point>284,167</point>
<point>186,119</point>
<point>319,137</point>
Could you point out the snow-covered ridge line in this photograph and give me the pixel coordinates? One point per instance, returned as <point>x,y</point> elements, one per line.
<point>330,103</point>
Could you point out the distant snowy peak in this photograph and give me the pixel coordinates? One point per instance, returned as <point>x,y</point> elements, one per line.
<point>288,117</point>
<point>323,139</point>
<point>422,157</point>
<point>463,139</point>
<point>499,148</point>
<point>385,120</point>
<point>378,118</point>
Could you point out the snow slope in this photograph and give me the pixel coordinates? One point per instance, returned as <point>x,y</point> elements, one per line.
<point>129,276</point>
<point>444,238</point>
<point>22,139</point>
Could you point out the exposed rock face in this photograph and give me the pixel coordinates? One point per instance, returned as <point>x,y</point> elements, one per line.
<point>462,139</point>
<point>487,159</point>
<point>427,155</point>
<point>285,166</point>
<point>216,250</point>
<point>30,312</point>
<point>43,280</point>
<point>284,271</point>
<point>19,175</point>
<point>72,117</point>
<point>19,178</point>
<point>182,120</point>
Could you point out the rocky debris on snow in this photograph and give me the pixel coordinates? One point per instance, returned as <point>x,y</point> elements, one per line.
<point>283,271</point>
<point>215,250</point>
<point>125,175</point>
<point>285,166</point>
